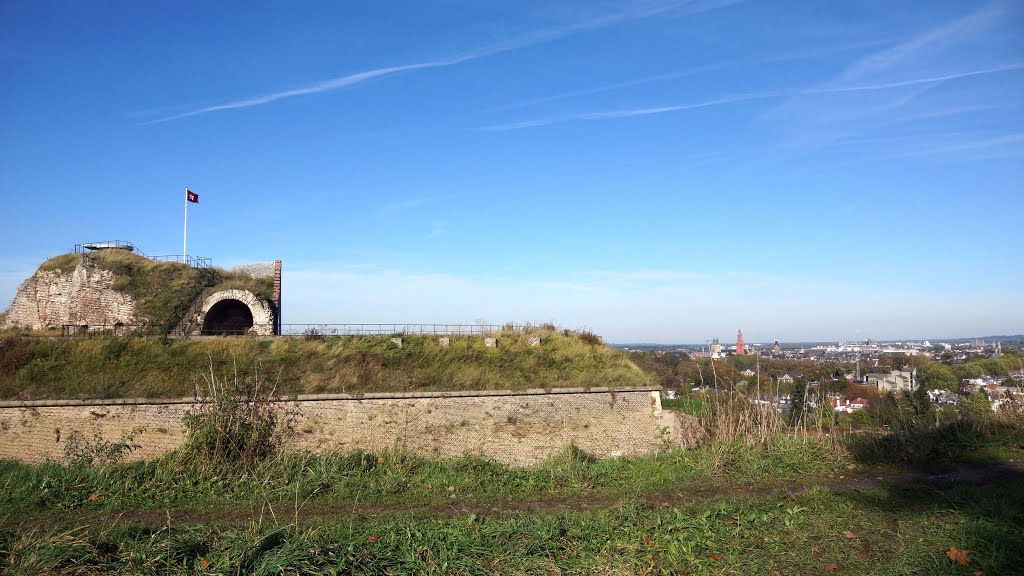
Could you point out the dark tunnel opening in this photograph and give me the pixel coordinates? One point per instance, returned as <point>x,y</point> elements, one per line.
<point>227,317</point>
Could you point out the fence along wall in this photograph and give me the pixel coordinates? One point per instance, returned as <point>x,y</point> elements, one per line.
<point>513,427</point>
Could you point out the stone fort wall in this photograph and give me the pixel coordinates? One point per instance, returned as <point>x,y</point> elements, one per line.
<point>80,296</point>
<point>519,428</point>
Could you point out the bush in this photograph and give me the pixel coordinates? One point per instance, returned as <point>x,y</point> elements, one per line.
<point>313,333</point>
<point>584,335</point>
<point>79,451</point>
<point>238,426</point>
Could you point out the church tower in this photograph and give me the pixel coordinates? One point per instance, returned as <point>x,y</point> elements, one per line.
<point>739,343</point>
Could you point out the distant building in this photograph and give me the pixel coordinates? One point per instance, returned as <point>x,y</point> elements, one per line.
<point>775,349</point>
<point>788,377</point>
<point>895,380</point>
<point>739,343</point>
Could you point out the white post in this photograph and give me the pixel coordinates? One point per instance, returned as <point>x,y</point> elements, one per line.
<point>184,243</point>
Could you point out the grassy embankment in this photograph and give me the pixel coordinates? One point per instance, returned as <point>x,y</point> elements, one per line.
<point>108,367</point>
<point>755,497</point>
<point>724,507</point>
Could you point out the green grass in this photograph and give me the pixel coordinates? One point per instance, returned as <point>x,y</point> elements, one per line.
<point>722,507</point>
<point>63,262</point>
<point>178,480</point>
<point>691,405</point>
<point>891,531</point>
<point>106,367</point>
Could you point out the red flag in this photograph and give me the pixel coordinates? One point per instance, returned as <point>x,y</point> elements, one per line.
<point>192,196</point>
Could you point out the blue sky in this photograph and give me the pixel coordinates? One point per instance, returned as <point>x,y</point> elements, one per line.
<point>661,171</point>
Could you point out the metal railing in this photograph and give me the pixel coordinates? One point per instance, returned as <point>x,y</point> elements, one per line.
<point>386,329</point>
<point>193,309</point>
<point>158,329</point>
<point>107,244</point>
<point>117,329</point>
<point>200,262</point>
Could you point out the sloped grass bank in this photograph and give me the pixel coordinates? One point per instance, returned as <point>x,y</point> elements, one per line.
<point>112,367</point>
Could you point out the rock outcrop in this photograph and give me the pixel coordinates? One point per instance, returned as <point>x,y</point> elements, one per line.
<point>81,296</point>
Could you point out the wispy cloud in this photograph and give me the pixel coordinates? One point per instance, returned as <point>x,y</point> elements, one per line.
<point>922,47</point>
<point>437,228</point>
<point>610,87</point>
<point>416,202</point>
<point>1000,146</point>
<point>326,86</point>
<point>898,97</point>
<point>931,57</point>
<point>527,40</point>
<point>694,71</point>
<point>647,276</point>
<point>731,99</point>
<point>925,82</point>
<point>628,112</point>
<point>913,81</point>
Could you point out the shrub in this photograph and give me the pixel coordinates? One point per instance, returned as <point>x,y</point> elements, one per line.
<point>313,333</point>
<point>239,425</point>
<point>79,451</point>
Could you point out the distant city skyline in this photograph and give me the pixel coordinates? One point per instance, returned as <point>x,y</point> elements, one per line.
<point>989,340</point>
<point>660,171</point>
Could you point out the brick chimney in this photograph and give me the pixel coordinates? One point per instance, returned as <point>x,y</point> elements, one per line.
<point>277,297</point>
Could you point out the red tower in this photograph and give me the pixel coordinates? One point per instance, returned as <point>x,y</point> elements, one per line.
<point>739,343</point>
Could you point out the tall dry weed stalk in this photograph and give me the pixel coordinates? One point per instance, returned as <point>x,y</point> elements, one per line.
<point>728,416</point>
<point>731,416</point>
<point>239,424</point>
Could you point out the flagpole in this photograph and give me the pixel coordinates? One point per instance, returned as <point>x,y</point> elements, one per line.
<point>184,242</point>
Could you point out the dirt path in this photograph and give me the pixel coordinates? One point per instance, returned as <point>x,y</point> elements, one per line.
<point>288,512</point>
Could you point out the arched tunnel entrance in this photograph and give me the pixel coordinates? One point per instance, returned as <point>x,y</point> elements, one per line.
<point>227,317</point>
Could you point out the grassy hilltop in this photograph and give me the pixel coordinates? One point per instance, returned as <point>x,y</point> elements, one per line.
<point>162,290</point>
<point>111,367</point>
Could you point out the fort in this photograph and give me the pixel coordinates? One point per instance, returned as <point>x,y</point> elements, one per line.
<point>98,287</point>
<point>121,360</point>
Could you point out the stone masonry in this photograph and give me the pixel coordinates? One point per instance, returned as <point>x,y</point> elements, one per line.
<point>515,428</point>
<point>262,314</point>
<point>80,296</point>
<point>255,269</point>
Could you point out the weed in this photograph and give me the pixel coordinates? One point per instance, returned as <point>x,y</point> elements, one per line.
<point>80,451</point>
<point>238,425</point>
<point>313,333</point>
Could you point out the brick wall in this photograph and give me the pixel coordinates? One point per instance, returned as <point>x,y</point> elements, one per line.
<point>82,295</point>
<point>277,297</point>
<point>516,428</point>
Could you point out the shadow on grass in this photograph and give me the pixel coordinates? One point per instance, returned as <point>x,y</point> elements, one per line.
<point>929,449</point>
<point>963,481</point>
